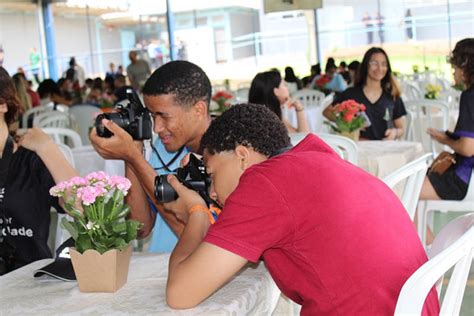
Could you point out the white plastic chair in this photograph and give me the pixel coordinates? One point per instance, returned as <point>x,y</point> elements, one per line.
<point>411,91</point>
<point>427,206</point>
<point>425,114</point>
<point>64,136</point>
<point>51,119</point>
<point>295,138</point>
<point>32,113</point>
<point>348,146</point>
<point>84,116</point>
<point>309,98</point>
<point>414,173</point>
<point>241,95</point>
<point>458,254</point>
<point>327,100</point>
<point>61,235</point>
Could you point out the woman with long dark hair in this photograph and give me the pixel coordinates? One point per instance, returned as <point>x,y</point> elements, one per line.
<point>269,89</point>
<point>28,169</point>
<point>453,183</point>
<point>377,89</point>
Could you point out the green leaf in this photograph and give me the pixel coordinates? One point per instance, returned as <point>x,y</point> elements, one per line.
<point>70,227</point>
<point>83,243</point>
<point>132,229</point>
<point>120,227</point>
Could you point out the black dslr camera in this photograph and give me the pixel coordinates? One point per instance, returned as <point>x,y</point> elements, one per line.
<point>193,176</point>
<point>134,118</point>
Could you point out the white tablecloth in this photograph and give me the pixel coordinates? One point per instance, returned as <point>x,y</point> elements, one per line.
<point>253,292</point>
<point>380,158</point>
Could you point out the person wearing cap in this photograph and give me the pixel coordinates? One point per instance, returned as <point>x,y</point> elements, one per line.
<point>330,245</point>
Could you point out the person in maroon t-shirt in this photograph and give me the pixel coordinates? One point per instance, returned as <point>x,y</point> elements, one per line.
<point>335,239</point>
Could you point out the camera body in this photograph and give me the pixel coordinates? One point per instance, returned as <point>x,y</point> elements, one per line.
<point>193,176</point>
<point>134,118</point>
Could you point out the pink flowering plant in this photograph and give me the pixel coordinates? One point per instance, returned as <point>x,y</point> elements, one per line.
<point>96,203</point>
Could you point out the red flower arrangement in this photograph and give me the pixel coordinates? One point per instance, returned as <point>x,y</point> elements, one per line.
<point>322,81</point>
<point>348,116</point>
<point>222,98</point>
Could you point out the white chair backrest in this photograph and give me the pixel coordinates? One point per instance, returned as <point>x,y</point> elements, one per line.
<point>409,125</point>
<point>458,254</point>
<point>414,174</point>
<point>348,146</point>
<point>32,113</point>
<point>241,95</point>
<point>425,114</point>
<point>64,136</point>
<point>327,100</point>
<point>295,138</point>
<point>411,91</point>
<point>66,150</point>
<point>309,98</point>
<point>51,119</point>
<point>84,116</point>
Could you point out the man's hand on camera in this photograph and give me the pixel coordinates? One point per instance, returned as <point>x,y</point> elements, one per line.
<point>187,198</point>
<point>119,146</point>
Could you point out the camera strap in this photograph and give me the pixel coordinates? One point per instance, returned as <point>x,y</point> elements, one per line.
<point>169,163</point>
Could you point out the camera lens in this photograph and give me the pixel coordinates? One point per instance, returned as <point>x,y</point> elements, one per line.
<point>119,118</point>
<point>164,192</point>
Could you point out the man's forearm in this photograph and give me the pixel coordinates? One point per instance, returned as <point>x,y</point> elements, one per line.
<point>193,234</point>
<point>146,175</point>
<point>138,202</point>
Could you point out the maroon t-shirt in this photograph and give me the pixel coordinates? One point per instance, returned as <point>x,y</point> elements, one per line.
<point>335,239</point>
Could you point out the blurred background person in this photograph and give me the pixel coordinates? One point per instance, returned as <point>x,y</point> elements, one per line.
<point>269,89</point>
<point>294,83</point>
<point>453,183</point>
<point>138,71</point>
<point>378,90</point>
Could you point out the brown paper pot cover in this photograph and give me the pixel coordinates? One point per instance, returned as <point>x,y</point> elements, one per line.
<point>101,273</point>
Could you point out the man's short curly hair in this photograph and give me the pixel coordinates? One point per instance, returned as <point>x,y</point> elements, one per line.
<point>187,82</point>
<point>250,125</point>
<point>463,58</point>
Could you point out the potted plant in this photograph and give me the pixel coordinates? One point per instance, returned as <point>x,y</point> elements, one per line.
<point>432,91</point>
<point>100,229</point>
<point>349,119</point>
<point>222,98</point>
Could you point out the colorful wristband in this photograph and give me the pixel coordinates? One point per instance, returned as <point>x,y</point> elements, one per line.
<point>202,208</point>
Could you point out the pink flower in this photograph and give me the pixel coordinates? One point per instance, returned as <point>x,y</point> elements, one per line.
<point>121,183</point>
<point>98,176</point>
<point>59,189</point>
<point>77,181</point>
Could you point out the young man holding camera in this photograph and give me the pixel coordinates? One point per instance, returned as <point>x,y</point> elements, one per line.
<point>177,95</point>
<point>332,245</point>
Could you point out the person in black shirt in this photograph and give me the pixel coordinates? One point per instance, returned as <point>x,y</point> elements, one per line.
<point>453,183</point>
<point>377,89</point>
<point>28,170</point>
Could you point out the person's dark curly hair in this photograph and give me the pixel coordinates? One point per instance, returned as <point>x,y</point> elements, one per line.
<point>463,58</point>
<point>9,96</point>
<point>187,82</point>
<point>250,125</point>
<point>262,90</point>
